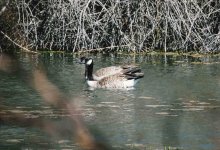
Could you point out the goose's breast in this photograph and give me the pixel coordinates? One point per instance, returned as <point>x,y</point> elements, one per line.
<point>92,83</point>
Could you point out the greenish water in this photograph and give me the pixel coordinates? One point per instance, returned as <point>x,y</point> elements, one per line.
<point>176,104</point>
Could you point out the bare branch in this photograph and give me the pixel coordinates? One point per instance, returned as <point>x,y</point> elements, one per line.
<point>85,25</point>
<point>23,48</point>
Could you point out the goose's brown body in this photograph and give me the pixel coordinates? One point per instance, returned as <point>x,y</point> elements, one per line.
<point>116,81</point>
<point>112,70</point>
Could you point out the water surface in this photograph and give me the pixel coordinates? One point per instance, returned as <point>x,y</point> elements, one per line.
<point>176,104</point>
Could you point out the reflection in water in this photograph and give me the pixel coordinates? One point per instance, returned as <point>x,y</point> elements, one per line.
<point>175,105</point>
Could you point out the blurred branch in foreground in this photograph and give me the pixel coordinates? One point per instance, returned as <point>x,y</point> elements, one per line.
<point>15,43</point>
<point>51,95</point>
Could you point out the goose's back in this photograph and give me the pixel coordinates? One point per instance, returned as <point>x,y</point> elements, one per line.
<point>108,71</point>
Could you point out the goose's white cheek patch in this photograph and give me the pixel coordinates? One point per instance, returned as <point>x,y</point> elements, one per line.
<point>89,62</point>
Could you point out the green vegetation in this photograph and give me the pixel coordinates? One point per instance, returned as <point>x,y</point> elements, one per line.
<point>100,25</point>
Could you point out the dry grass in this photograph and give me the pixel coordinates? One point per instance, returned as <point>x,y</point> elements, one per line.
<point>74,25</point>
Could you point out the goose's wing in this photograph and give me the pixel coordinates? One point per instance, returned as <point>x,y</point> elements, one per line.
<point>108,71</point>
<point>120,80</point>
<point>129,66</point>
<point>131,71</point>
<point>114,81</point>
<point>112,70</point>
<point>135,74</point>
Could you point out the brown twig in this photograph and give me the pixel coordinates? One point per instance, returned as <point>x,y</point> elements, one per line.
<point>23,48</point>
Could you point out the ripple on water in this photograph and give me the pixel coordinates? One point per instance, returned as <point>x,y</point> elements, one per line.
<point>14,140</point>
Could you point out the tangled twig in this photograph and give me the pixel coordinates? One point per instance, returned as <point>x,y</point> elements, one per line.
<point>85,25</point>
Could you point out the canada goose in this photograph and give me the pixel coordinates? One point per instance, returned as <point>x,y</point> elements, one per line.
<point>120,80</point>
<point>108,71</point>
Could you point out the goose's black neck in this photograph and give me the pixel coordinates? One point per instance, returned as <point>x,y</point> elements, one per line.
<point>89,71</point>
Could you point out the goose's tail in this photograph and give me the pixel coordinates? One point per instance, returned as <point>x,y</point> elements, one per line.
<point>132,70</point>
<point>134,74</point>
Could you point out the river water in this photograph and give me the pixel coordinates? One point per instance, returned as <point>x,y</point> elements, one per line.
<point>175,106</point>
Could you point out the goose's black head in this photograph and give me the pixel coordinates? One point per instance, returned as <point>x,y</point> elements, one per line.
<point>88,68</point>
